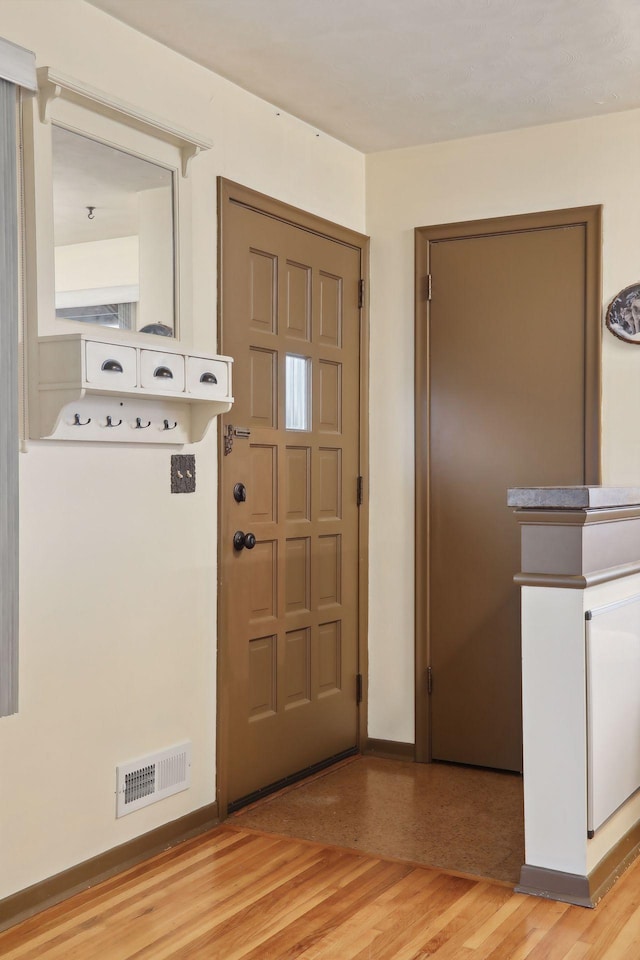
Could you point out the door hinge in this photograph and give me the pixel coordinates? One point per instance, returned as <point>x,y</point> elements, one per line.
<point>360,294</point>
<point>358,688</point>
<point>360,491</point>
<point>427,287</point>
<point>429,681</point>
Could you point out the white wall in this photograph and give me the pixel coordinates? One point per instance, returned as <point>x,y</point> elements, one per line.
<point>543,168</point>
<point>97,264</point>
<point>118,577</point>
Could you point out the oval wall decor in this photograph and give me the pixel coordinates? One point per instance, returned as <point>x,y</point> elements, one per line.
<point>623,314</point>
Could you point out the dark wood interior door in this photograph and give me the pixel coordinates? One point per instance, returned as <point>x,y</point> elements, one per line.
<point>289,602</point>
<point>507,407</point>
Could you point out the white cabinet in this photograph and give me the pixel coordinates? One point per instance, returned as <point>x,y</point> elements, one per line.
<point>92,389</point>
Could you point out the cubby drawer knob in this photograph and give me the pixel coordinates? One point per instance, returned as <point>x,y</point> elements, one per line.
<point>163,373</point>
<point>208,378</point>
<point>113,366</point>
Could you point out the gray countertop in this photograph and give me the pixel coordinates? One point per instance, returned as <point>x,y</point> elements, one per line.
<point>572,497</point>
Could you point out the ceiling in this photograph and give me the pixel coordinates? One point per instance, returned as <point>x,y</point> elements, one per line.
<point>381,74</point>
<point>87,173</point>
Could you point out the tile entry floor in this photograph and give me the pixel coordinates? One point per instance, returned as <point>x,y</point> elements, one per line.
<point>463,819</point>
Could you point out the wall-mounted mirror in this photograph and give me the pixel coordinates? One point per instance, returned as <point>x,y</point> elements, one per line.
<point>114,236</point>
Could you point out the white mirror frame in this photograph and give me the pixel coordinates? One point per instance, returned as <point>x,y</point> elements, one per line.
<point>91,113</point>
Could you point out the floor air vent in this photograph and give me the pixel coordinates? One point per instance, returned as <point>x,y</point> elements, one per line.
<point>152,778</point>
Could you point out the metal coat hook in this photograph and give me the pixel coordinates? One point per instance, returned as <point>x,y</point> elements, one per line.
<point>140,425</point>
<point>77,422</point>
<point>91,215</point>
<point>110,422</point>
<point>167,427</point>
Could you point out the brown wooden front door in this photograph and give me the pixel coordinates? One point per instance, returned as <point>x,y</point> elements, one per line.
<point>288,633</point>
<point>507,373</point>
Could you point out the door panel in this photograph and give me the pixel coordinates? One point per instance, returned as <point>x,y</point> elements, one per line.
<point>507,363</point>
<point>289,606</point>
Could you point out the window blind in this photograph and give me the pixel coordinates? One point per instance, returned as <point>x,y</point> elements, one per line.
<point>8,402</point>
<point>17,71</point>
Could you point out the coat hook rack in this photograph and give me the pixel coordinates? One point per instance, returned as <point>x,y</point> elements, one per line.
<point>77,422</point>
<point>140,425</point>
<point>168,427</point>
<point>110,422</point>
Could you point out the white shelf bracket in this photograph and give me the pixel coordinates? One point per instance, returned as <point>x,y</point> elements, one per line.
<point>48,92</point>
<point>187,153</point>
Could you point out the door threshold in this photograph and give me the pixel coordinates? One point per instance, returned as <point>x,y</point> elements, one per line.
<point>292,779</point>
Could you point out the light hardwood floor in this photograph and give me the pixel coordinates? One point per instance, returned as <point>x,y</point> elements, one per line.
<point>239,894</point>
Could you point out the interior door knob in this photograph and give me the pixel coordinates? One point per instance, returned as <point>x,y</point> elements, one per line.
<point>242,540</point>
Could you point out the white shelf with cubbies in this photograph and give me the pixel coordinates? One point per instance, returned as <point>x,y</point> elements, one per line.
<point>93,389</point>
